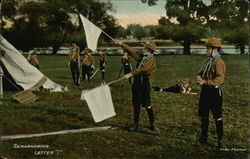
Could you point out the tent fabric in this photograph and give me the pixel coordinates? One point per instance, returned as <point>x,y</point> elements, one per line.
<point>92,33</point>
<point>100,102</point>
<point>23,73</point>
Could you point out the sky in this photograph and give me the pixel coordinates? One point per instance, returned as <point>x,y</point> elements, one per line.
<point>136,12</point>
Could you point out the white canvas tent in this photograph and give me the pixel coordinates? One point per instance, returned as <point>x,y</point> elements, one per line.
<point>22,72</point>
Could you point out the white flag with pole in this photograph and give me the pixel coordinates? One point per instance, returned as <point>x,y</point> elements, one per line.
<point>92,32</point>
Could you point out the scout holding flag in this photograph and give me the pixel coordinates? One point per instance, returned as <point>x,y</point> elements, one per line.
<point>141,86</point>
<point>33,60</point>
<point>74,57</point>
<point>87,61</point>
<point>210,77</point>
<point>125,60</point>
<point>102,62</point>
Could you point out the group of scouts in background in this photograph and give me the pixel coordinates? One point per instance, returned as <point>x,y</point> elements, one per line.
<point>210,77</point>
<point>87,61</point>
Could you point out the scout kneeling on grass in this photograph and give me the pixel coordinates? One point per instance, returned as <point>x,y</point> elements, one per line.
<point>210,77</point>
<point>141,86</point>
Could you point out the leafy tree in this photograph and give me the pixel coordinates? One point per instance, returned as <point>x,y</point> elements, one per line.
<point>121,32</point>
<point>230,19</point>
<point>150,30</point>
<point>97,13</point>
<point>52,22</point>
<point>136,31</point>
<point>186,19</point>
<point>150,2</point>
<point>27,31</point>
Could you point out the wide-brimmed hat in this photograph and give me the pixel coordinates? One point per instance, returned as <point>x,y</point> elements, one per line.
<point>86,51</point>
<point>73,45</point>
<point>186,80</point>
<point>213,42</point>
<point>100,49</point>
<point>150,45</point>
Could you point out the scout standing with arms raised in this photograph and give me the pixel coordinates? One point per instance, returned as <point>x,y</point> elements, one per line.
<point>141,86</point>
<point>87,61</point>
<point>210,77</point>
<point>74,57</point>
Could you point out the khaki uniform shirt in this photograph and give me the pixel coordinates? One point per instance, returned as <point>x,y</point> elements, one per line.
<point>74,55</point>
<point>125,60</point>
<point>33,61</point>
<point>216,74</point>
<point>88,60</point>
<point>147,68</point>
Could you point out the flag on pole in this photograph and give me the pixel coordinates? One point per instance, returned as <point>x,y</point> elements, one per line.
<point>100,102</point>
<point>92,32</point>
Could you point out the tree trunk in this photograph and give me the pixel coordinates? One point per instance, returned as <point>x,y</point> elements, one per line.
<point>242,48</point>
<point>55,49</point>
<point>59,43</point>
<point>186,45</point>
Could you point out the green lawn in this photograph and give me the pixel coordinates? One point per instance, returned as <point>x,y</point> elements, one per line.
<point>176,115</point>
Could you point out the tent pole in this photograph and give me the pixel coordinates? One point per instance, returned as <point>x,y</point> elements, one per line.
<point>1,70</point>
<point>1,84</point>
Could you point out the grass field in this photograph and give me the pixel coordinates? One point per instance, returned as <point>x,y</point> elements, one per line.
<point>176,115</point>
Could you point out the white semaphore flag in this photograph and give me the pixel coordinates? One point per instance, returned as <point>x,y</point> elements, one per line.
<point>100,102</point>
<point>92,33</point>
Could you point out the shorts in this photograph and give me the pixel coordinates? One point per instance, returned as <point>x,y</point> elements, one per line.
<point>127,68</point>
<point>101,65</point>
<point>210,99</point>
<point>141,91</point>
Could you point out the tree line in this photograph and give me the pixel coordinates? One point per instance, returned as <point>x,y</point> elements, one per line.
<point>44,23</point>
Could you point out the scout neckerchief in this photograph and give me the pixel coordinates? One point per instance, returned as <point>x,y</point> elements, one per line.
<point>144,59</point>
<point>209,64</point>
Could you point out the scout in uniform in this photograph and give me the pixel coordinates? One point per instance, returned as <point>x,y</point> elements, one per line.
<point>74,57</point>
<point>87,62</point>
<point>33,60</point>
<point>180,87</point>
<point>210,77</point>
<point>102,61</point>
<point>127,68</point>
<point>141,86</point>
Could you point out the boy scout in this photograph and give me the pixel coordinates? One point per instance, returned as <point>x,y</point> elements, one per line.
<point>74,57</point>
<point>87,62</point>
<point>184,86</point>
<point>33,60</point>
<point>210,77</point>
<point>141,86</point>
<point>102,61</point>
<point>125,60</point>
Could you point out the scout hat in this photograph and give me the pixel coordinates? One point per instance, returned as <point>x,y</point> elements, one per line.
<point>100,49</point>
<point>150,45</point>
<point>186,80</point>
<point>86,51</point>
<point>73,45</point>
<point>213,42</point>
